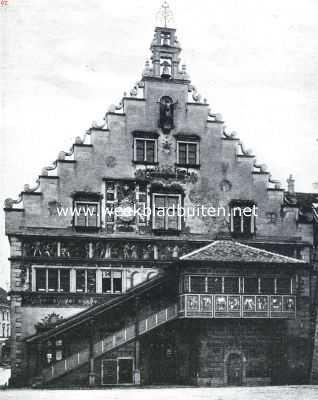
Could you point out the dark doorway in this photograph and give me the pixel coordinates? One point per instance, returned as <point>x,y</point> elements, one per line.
<point>125,370</point>
<point>235,370</point>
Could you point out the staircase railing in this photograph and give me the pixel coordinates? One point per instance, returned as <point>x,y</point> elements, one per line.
<point>108,343</point>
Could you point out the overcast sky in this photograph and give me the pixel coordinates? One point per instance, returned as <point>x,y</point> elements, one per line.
<point>63,62</point>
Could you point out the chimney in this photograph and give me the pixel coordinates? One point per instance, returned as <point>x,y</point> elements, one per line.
<point>291,184</point>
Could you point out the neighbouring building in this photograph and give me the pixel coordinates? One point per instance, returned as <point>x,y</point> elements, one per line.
<point>113,296</point>
<point>4,325</point>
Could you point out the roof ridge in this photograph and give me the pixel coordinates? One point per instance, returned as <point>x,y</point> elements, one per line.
<point>242,245</point>
<point>270,252</point>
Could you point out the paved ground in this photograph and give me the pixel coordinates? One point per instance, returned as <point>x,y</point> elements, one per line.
<point>255,393</point>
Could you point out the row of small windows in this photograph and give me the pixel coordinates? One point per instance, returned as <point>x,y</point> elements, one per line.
<point>231,285</point>
<point>79,281</point>
<point>146,151</point>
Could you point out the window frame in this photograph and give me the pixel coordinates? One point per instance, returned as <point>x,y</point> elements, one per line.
<point>252,225</point>
<point>145,140</point>
<point>197,157</point>
<point>46,289</point>
<point>166,224</point>
<point>98,216</point>
<point>112,273</point>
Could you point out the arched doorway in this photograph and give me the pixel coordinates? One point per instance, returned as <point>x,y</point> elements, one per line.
<point>234,368</point>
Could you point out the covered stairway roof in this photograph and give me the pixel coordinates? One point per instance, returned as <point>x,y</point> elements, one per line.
<point>94,311</point>
<point>231,251</point>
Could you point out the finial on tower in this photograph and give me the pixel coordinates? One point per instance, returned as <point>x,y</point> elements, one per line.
<point>165,16</point>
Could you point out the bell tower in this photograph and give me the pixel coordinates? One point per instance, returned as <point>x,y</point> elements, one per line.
<point>165,49</point>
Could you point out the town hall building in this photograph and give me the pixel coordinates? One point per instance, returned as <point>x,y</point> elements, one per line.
<point>104,297</point>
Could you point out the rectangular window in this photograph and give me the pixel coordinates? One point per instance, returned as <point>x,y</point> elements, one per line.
<point>80,280</point>
<point>40,276</point>
<point>250,285</point>
<point>165,212</point>
<point>188,153</point>
<point>145,150</point>
<point>214,284</point>
<point>231,285</point>
<point>267,286</point>
<point>86,214</point>
<point>91,281</point>
<point>283,286</point>
<point>64,280</point>
<point>197,284</point>
<point>243,219</point>
<point>112,281</point>
<point>52,280</point>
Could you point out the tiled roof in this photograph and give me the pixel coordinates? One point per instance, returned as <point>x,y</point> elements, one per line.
<point>231,251</point>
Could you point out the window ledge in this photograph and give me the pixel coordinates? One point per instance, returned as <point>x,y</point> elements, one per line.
<point>145,162</point>
<point>172,232</point>
<point>188,166</point>
<point>87,228</point>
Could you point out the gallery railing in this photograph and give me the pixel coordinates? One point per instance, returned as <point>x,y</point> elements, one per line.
<point>237,306</point>
<point>108,343</point>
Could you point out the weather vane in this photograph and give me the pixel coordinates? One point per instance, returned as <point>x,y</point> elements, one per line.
<point>165,15</point>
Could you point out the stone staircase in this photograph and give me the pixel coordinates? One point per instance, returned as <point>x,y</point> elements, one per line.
<point>110,342</point>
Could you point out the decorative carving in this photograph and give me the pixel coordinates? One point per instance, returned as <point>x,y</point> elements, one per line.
<point>166,114</point>
<point>48,322</point>
<point>196,96</point>
<point>8,203</point>
<point>166,145</point>
<point>225,185</point>
<point>53,205</point>
<point>40,248</point>
<point>167,173</point>
<point>111,161</point>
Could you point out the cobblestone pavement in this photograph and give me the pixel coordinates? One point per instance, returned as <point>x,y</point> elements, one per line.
<point>254,393</point>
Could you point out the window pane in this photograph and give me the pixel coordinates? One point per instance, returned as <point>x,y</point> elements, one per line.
<point>81,209</point>
<point>197,284</point>
<point>150,150</point>
<point>182,153</point>
<point>231,285</point>
<point>52,280</point>
<point>41,280</point>
<point>140,150</point>
<point>267,285</point>
<point>80,280</point>
<point>172,222</point>
<point>117,282</point>
<point>64,280</point>
<point>251,285</point>
<point>91,281</point>
<point>283,285</point>
<point>159,201</point>
<point>106,282</point>
<point>247,223</point>
<point>92,215</point>
<point>192,154</point>
<point>172,201</point>
<point>236,212</point>
<point>214,284</point>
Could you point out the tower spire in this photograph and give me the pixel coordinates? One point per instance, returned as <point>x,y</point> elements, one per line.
<point>165,15</point>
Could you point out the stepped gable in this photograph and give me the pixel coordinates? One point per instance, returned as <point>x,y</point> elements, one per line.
<point>230,251</point>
